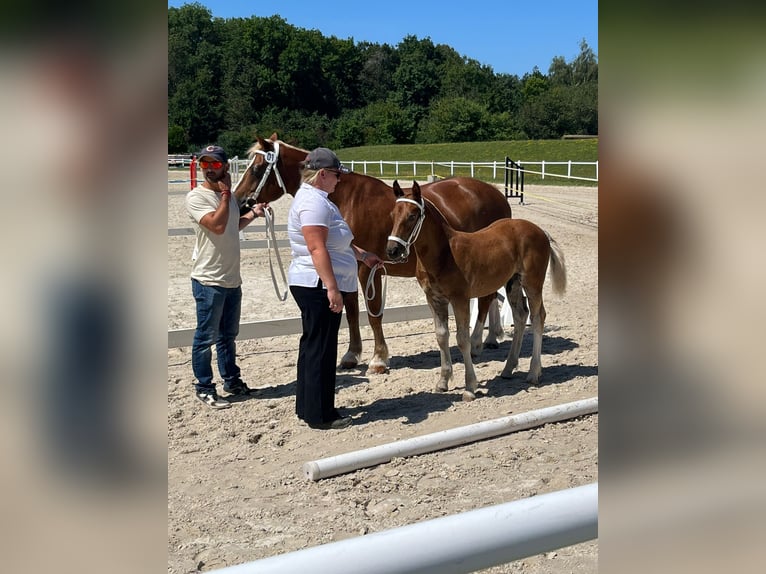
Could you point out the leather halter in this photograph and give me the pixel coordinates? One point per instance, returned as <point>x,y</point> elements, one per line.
<point>415,230</point>
<point>271,157</point>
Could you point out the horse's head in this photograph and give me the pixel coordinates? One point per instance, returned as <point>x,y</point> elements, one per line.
<point>272,171</point>
<point>408,215</point>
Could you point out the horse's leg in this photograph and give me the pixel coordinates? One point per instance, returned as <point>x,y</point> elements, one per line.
<point>518,304</point>
<point>354,353</point>
<point>440,311</point>
<point>485,303</point>
<point>462,319</point>
<point>379,362</point>
<point>537,311</point>
<point>496,331</point>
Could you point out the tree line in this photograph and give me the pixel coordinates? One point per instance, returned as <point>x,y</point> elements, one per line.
<point>229,79</point>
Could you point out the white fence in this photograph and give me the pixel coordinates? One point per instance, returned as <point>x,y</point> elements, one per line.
<point>292,325</point>
<point>378,167</point>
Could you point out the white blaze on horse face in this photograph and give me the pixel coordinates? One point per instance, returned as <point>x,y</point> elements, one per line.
<point>415,229</point>
<point>271,158</point>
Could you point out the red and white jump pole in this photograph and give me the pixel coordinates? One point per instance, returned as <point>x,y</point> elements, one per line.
<point>193,171</point>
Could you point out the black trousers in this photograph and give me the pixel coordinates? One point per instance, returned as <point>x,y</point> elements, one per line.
<point>317,356</point>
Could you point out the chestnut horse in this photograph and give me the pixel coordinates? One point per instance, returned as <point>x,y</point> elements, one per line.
<point>454,266</point>
<point>468,204</point>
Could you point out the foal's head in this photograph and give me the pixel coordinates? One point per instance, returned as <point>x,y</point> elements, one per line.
<point>408,215</point>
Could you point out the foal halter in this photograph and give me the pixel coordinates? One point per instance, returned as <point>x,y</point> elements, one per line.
<point>271,158</point>
<point>415,230</point>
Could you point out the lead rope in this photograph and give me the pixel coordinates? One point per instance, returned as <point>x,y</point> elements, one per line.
<point>268,214</point>
<point>369,291</point>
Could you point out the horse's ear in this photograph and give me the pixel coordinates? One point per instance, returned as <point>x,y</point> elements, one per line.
<point>415,191</point>
<point>397,189</point>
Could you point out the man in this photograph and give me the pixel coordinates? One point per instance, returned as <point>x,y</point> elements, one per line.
<point>215,276</point>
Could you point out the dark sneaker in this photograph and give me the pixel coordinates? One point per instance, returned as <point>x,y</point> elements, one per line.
<point>239,389</point>
<point>213,400</point>
<point>339,423</point>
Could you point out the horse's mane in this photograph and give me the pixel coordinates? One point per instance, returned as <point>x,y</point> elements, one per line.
<point>251,151</point>
<point>448,229</point>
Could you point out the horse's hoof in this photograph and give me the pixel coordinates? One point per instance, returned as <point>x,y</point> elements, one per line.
<point>441,388</point>
<point>377,368</point>
<point>532,380</point>
<point>507,374</point>
<point>468,396</point>
<point>349,360</point>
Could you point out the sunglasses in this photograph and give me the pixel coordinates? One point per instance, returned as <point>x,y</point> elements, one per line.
<point>213,164</point>
<point>337,173</point>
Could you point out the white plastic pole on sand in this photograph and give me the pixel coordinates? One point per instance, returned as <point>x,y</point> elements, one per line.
<point>454,544</point>
<point>342,463</point>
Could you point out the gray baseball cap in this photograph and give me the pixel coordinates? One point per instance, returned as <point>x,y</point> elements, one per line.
<point>322,158</point>
<point>214,151</point>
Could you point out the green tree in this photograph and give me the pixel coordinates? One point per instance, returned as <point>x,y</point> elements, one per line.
<point>194,72</point>
<point>416,79</point>
<point>178,142</point>
<point>559,72</point>
<point>455,120</point>
<point>375,77</point>
<point>585,66</point>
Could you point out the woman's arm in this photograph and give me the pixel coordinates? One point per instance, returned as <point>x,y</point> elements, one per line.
<point>316,242</point>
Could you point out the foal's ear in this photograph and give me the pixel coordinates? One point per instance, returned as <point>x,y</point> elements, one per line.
<point>415,191</point>
<point>397,189</point>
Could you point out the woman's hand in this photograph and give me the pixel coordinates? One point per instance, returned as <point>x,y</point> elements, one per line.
<point>371,260</point>
<point>335,298</point>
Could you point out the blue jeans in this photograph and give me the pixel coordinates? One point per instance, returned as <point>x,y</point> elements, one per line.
<point>218,312</point>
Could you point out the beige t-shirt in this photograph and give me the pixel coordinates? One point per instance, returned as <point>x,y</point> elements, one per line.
<point>217,256</point>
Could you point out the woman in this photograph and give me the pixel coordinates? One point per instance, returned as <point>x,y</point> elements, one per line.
<point>322,271</point>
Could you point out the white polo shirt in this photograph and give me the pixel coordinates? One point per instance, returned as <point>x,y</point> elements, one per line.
<point>312,206</point>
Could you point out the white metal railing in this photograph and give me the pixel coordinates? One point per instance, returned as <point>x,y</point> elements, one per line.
<point>378,167</point>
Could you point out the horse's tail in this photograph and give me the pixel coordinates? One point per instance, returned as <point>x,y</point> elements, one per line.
<point>557,267</point>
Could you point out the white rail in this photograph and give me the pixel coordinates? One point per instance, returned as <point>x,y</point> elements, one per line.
<point>350,461</point>
<point>455,544</point>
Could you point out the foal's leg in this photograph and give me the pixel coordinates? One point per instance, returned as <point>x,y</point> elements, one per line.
<point>496,331</point>
<point>518,304</point>
<point>440,312</point>
<point>537,310</point>
<point>485,305</point>
<point>462,318</point>
<point>354,353</point>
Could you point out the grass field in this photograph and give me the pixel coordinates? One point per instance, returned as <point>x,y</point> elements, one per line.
<point>523,151</point>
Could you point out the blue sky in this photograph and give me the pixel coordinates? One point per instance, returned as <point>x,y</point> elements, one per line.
<point>511,36</point>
